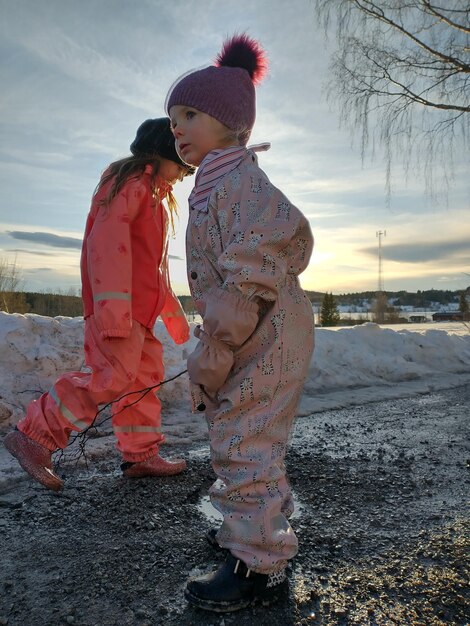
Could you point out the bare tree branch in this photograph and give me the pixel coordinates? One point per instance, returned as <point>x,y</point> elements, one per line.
<point>370,8</point>
<point>400,77</point>
<point>438,12</point>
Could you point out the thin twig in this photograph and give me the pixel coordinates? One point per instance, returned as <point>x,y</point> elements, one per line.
<point>83,436</point>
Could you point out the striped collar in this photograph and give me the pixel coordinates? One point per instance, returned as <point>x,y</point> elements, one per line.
<point>216,164</point>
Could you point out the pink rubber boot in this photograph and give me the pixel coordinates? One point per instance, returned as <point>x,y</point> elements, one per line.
<point>155,466</point>
<point>33,458</point>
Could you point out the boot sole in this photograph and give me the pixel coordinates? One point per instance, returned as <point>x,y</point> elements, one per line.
<point>229,607</point>
<point>142,473</point>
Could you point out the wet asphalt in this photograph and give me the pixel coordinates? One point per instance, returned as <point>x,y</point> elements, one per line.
<point>382,519</point>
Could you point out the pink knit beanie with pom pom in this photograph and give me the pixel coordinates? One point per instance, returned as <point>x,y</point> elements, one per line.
<point>225,90</point>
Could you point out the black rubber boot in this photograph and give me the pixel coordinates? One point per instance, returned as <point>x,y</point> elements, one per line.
<point>233,587</point>
<point>212,539</point>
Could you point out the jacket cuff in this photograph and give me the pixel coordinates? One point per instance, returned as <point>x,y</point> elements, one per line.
<point>216,344</point>
<point>229,317</point>
<point>210,363</point>
<point>234,300</point>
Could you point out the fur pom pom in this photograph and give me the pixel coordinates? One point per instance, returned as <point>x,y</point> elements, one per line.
<point>245,52</point>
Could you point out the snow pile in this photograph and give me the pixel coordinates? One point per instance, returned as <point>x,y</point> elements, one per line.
<point>369,363</point>
<point>350,366</point>
<point>35,350</point>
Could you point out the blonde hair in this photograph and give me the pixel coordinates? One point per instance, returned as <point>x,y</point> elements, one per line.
<point>134,167</point>
<point>236,137</point>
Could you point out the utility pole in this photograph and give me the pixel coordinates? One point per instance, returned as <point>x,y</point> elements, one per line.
<point>381,302</point>
<point>380,234</point>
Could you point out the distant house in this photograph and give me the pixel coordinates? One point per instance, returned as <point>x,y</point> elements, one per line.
<point>448,316</point>
<point>418,319</point>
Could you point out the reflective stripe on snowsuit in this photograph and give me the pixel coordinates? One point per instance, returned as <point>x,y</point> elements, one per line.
<point>119,366</point>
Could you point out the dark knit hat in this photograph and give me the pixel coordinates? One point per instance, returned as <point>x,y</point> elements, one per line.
<point>225,90</point>
<point>154,137</point>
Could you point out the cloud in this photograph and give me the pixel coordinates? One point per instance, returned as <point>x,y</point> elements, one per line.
<point>34,252</point>
<point>423,252</point>
<point>77,92</point>
<point>47,239</point>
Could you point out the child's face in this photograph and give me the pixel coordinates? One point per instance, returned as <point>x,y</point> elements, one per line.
<point>197,133</point>
<point>171,171</point>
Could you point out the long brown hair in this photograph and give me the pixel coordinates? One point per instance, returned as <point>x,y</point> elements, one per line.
<point>133,167</point>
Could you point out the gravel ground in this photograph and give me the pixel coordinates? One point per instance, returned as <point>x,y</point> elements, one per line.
<point>382,522</point>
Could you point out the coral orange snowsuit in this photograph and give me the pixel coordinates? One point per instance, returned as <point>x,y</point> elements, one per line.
<point>125,286</point>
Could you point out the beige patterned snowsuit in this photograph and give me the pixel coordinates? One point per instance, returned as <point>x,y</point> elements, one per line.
<point>245,250</point>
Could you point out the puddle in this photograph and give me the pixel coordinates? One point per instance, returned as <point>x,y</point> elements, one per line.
<point>205,507</point>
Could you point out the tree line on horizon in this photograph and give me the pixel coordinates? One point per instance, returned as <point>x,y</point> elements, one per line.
<point>418,299</point>
<point>13,299</point>
<point>69,304</point>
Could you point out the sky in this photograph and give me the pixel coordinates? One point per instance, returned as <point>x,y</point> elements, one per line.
<point>349,367</point>
<point>78,78</point>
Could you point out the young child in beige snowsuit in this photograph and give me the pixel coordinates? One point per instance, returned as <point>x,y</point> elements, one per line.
<point>246,246</point>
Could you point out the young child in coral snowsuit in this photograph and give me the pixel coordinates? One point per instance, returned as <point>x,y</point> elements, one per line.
<point>125,286</point>
<point>246,246</point>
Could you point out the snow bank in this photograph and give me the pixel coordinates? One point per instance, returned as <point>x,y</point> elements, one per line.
<point>350,366</point>
<point>369,363</point>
